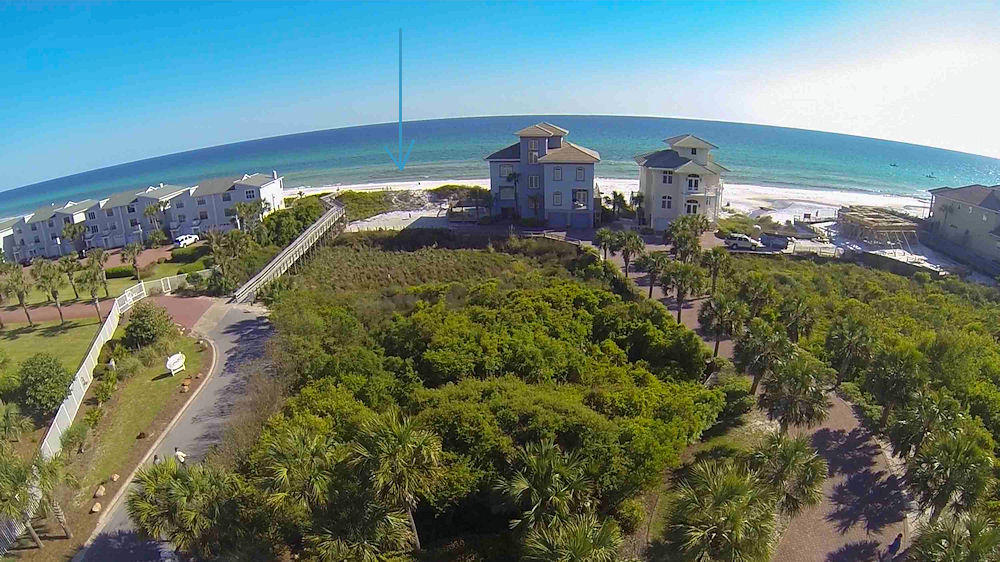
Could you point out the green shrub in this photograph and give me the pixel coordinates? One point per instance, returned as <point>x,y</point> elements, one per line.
<point>75,436</point>
<point>119,272</point>
<point>44,383</point>
<point>127,366</point>
<point>10,383</point>
<point>147,323</point>
<point>93,417</point>
<point>105,389</point>
<point>190,254</point>
<point>629,515</point>
<point>736,389</point>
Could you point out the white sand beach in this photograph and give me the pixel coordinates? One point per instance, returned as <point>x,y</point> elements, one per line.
<point>781,203</point>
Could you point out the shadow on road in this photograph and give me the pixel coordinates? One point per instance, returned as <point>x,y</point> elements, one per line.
<point>845,452</point>
<point>871,498</point>
<point>124,546</point>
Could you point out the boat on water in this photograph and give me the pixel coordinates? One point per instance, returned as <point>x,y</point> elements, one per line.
<point>931,176</point>
<point>894,165</point>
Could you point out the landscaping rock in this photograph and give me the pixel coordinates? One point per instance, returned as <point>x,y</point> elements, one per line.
<point>185,389</point>
<point>142,435</point>
<point>115,477</point>
<point>96,508</point>
<point>100,491</point>
<point>186,382</point>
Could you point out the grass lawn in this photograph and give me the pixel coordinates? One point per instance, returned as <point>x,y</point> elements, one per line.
<point>69,342</point>
<point>365,204</point>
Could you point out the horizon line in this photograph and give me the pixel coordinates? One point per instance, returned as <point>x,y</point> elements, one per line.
<point>7,189</point>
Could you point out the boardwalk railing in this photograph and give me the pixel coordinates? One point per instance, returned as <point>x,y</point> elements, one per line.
<point>553,235</point>
<point>288,256</point>
<point>52,444</point>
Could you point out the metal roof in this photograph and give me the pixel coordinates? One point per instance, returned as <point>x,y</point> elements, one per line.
<point>256,180</point>
<point>512,152</point>
<point>214,186</point>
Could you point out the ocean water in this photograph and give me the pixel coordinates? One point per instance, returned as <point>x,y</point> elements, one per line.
<point>454,149</point>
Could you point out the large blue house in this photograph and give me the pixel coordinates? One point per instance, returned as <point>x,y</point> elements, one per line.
<point>545,177</point>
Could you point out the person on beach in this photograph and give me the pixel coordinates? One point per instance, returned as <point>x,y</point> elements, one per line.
<point>181,455</point>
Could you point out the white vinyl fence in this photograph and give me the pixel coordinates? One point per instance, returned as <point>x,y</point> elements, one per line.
<point>52,445</point>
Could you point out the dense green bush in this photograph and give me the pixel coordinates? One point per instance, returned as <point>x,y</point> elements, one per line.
<point>75,436</point>
<point>44,383</point>
<point>629,515</point>
<point>93,417</point>
<point>147,323</point>
<point>119,272</point>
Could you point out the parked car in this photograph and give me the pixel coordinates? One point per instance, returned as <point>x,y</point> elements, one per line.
<point>737,241</point>
<point>185,240</point>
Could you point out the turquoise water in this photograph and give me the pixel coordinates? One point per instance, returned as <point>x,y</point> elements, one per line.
<point>454,148</point>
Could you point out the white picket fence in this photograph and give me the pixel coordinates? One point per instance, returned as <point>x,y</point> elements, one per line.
<point>52,444</point>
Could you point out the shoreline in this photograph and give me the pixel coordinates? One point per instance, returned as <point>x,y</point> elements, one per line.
<point>781,203</point>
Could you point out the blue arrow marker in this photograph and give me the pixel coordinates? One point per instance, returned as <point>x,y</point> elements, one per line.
<point>401,162</point>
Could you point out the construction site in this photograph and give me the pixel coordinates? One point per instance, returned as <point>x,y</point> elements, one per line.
<point>886,240</point>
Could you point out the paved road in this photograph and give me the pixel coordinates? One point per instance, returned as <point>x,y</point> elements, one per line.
<point>239,333</point>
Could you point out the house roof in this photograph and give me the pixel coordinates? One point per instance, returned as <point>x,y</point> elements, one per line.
<point>717,168</point>
<point>119,199</point>
<point>669,159</point>
<point>256,180</point>
<point>975,194</point>
<point>542,129</point>
<point>42,214</point>
<point>214,186</point>
<point>512,152</point>
<point>688,141</point>
<point>570,153</point>
<point>5,224</point>
<point>71,208</point>
<point>162,191</point>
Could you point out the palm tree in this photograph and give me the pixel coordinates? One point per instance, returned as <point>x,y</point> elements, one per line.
<point>685,279</point>
<point>792,468</point>
<point>16,501</point>
<point>99,258</point>
<point>48,279</point>
<point>757,291</point>
<point>723,316</point>
<point>896,376</point>
<point>153,211</point>
<point>90,281</point>
<point>604,239</point>
<point>583,538</point>
<point>189,507</point>
<point>12,423</point>
<point>402,461</point>
<point>716,261</point>
<point>548,488</point>
<point>617,202</point>
<point>131,253</point>
<point>760,350</point>
<point>69,265</point>
<point>17,282</point>
<point>798,314</point>
<point>724,512</point>
<point>52,475</point>
<point>630,245</point>
<point>514,178</point>
<point>852,341</point>
<point>74,233</point>
<point>654,265</point>
<point>962,537</point>
<point>930,409</point>
<point>376,533</point>
<point>795,394</point>
<point>297,470</point>
<point>952,469</point>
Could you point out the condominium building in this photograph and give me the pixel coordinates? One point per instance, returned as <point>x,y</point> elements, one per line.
<point>970,218</point>
<point>122,218</point>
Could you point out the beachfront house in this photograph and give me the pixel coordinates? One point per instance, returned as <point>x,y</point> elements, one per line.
<point>681,180</point>
<point>545,178</point>
<point>968,218</point>
<point>121,218</point>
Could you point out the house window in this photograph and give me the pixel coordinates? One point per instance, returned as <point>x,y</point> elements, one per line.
<point>201,200</point>
<point>114,226</point>
<point>202,215</point>
<point>109,212</point>
<point>179,205</point>
<point>579,173</point>
<point>66,220</point>
<point>533,157</point>
<point>53,236</point>
<point>507,193</point>
<point>668,177</point>
<point>580,198</point>
<point>251,194</point>
<point>557,173</point>
<point>182,218</point>
<point>694,151</point>
<point>533,144</point>
<point>51,225</point>
<point>691,207</point>
<point>34,227</point>
<point>91,215</point>
<point>230,212</point>
<point>532,182</point>
<point>133,222</point>
<point>37,240</point>
<point>693,181</point>
<point>131,208</point>
<point>506,170</point>
<point>666,202</point>
<point>557,199</point>
<point>227,196</point>
<point>93,229</point>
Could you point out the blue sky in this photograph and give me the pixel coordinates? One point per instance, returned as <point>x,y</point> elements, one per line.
<point>92,85</point>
